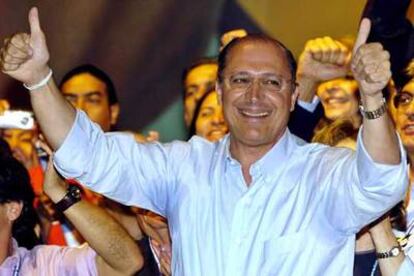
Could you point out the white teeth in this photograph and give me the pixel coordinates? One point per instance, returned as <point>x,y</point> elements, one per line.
<point>335,100</point>
<point>257,115</point>
<point>410,127</point>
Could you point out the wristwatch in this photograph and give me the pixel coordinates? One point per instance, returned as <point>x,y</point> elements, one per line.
<point>393,252</point>
<point>72,196</point>
<point>374,114</point>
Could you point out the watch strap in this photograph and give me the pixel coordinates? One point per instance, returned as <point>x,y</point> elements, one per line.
<point>393,252</point>
<point>374,114</point>
<point>72,196</point>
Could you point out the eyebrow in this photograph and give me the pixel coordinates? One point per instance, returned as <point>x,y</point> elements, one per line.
<point>88,94</point>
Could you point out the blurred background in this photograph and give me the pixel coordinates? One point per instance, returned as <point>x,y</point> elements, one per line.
<point>144,45</point>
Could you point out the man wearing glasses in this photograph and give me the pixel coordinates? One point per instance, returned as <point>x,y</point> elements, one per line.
<point>259,201</point>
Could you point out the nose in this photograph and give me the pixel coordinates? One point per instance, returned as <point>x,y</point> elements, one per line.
<point>410,111</point>
<point>218,118</point>
<point>253,93</point>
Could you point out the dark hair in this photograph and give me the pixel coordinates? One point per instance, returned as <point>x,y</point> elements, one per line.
<point>333,133</point>
<point>222,59</point>
<point>197,63</point>
<point>15,186</point>
<point>97,73</point>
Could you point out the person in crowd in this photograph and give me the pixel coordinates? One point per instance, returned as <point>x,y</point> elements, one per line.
<point>245,204</point>
<point>107,241</point>
<point>402,100</point>
<point>91,90</point>
<point>340,100</point>
<point>198,79</point>
<point>209,120</point>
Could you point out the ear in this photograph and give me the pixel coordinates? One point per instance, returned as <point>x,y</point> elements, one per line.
<point>219,93</point>
<point>293,99</point>
<point>114,110</point>
<point>13,210</point>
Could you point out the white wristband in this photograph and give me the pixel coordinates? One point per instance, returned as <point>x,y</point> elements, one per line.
<point>40,83</point>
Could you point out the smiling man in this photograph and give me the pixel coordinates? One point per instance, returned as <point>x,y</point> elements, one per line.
<point>258,202</point>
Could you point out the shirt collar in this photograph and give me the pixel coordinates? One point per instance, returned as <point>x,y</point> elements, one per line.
<point>271,162</point>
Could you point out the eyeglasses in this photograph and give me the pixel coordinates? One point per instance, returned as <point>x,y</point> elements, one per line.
<point>268,83</point>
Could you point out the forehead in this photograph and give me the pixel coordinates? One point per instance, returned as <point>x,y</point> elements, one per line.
<point>257,57</point>
<point>348,84</point>
<point>409,87</point>
<point>83,83</point>
<point>202,73</point>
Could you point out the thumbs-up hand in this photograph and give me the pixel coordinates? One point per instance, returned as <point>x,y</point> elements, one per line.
<point>370,63</point>
<point>24,56</point>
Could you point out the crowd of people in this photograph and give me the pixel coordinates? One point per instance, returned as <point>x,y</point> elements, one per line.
<point>291,168</point>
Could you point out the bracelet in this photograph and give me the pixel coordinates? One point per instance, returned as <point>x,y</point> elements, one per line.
<point>41,83</point>
<point>374,114</point>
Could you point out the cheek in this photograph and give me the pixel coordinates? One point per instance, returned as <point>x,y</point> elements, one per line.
<point>202,125</point>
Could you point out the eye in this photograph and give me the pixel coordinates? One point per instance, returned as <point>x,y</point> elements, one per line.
<point>272,83</point>
<point>240,80</point>
<point>403,99</point>
<point>95,99</point>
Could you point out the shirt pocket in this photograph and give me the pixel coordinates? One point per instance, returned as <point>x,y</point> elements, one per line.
<point>278,252</point>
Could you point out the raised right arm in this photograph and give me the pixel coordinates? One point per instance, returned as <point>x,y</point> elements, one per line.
<point>25,58</point>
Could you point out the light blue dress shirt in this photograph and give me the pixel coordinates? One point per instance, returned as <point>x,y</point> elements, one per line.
<point>298,217</point>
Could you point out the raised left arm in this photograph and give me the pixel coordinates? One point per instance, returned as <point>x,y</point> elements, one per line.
<point>371,68</point>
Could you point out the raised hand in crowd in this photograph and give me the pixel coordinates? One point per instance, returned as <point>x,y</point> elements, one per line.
<point>25,57</point>
<point>156,228</point>
<point>322,59</point>
<point>371,68</point>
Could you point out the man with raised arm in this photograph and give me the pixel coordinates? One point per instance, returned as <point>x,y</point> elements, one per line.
<point>259,201</point>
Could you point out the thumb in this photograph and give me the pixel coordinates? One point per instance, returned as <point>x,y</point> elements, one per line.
<point>363,33</point>
<point>35,29</point>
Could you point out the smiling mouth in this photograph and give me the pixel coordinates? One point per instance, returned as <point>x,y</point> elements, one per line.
<point>336,100</point>
<point>408,129</point>
<point>254,114</point>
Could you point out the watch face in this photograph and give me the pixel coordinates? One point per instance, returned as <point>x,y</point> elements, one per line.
<point>395,251</point>
<point>75,192</point>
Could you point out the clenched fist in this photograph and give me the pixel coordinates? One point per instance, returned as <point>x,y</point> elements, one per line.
<point>25,56</point>
<point>324,59</point>
<point>370,63</point>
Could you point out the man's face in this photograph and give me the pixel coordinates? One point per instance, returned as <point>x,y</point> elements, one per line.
<point>88,93</point>
<point>22,144</point>
<point>198,81</point>
<point>339,98</point>
<point>404,115</point>
<point>257,93</point>
<point>210,120</point>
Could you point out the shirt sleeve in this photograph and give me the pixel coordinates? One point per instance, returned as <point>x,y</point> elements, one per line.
<point>67,260</point>
<point>406,268</point>
<point>310,107</point>
<point>360,190</point>
<point>117,166</point>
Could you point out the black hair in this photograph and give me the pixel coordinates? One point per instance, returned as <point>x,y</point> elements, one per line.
<point>197,63</point>
<point>97,73</point>
<point>15,186</point>
<point>222,59</point>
